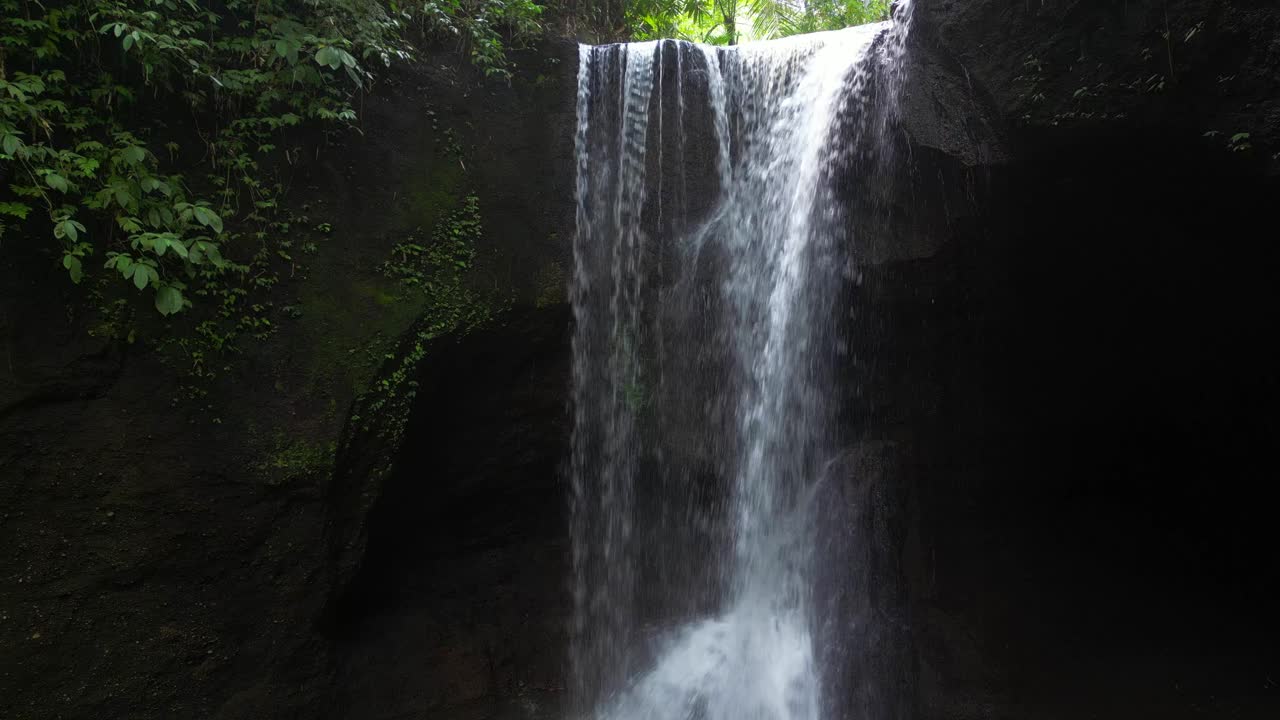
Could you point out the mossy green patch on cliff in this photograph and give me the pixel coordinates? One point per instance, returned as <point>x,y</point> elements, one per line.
<point>319,278</point>
<point>350,327</point>
<point>353,323</point>
<point>436,194</point>
<point>291,459</point>
<point>551,283</point>
<point>433,274</point>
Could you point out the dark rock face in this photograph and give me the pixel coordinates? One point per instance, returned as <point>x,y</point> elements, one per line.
<point>1078,418</point>
<point>147,568</point>
<point>460,606</point>
<point>156,564</point>
<point>1184,66</point>
<point>1070,376</point>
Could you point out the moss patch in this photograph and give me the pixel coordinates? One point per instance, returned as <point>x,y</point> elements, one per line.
<point>351,322</point>
<point>293,459</point>
<point>434,275</point>
<point>551,283</point>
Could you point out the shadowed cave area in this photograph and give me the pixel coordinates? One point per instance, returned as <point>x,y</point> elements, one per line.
<point>463,580</point>
<point>1086,376</point>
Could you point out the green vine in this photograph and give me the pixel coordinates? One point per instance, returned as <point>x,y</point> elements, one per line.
<point>438,273</point>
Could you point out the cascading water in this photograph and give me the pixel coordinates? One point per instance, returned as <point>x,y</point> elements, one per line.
<point>709,258</point>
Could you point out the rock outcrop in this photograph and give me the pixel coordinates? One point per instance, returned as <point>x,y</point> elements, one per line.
<point>1069,372</point>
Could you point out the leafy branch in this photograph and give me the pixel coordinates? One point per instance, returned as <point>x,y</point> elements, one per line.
<point>137,134</point>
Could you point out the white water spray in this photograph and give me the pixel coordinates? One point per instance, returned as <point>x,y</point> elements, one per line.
<point>693,546</point>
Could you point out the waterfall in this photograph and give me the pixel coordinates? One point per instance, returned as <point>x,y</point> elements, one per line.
<point>712,244</point>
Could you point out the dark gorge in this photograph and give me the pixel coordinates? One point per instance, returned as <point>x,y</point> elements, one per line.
<point>917,370</point>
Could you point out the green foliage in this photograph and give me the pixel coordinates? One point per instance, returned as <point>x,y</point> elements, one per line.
<point>86,146</point>
<point>1239,142</point>
<point>436,267</point>
<point>483,28</point>
<point>438,271</point>
<point>726,22</point>
<point>292,459</point>
<point>105,103</point>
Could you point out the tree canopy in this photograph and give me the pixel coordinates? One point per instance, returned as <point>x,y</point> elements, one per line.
<point>135,132</point>
<point>728,22</point>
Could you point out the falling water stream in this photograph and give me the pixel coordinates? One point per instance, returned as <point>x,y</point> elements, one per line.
<point>712,243</point>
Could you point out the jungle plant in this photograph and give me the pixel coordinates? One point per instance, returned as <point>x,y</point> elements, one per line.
<point>726,22</point>
<point>139,136</point>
